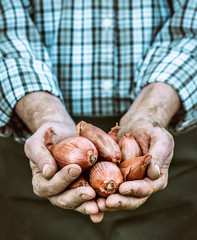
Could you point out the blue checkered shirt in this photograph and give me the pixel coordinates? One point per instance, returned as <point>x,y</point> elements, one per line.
<point>96,55</point>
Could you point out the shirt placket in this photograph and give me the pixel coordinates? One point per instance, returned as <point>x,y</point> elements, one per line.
<point>107,57</point>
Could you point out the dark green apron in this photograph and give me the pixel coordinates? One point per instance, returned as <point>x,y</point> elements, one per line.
<point>168,214</point>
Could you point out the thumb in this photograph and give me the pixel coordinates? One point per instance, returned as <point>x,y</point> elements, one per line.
<point>37,152</point>
<point>158,157</point>
<point>153,170</point>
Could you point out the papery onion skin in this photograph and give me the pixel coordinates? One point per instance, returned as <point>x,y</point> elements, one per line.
<point>108,149</point>
<point>135,168</point>
<point>76,149</point>
<point>113,132</point>
<point>48,138</point>
<point>129,147</point>
<point>81,181</point>
<point>105,177</point>
<point>113,136</point>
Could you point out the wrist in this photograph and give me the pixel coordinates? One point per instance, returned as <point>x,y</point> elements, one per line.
<point>158,101</point>
<point>37,108</point>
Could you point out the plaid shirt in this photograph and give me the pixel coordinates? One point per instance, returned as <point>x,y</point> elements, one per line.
<point>96,55</point>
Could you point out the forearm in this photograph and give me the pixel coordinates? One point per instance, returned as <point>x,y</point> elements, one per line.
<point>157,100</point>
<point>37,108</point>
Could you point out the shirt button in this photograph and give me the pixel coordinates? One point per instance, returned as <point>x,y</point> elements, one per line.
<point>107,22</point>
<point>106,85</point>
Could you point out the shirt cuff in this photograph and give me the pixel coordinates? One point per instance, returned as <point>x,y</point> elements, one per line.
<point>19,77</point>
<point>176,69</point>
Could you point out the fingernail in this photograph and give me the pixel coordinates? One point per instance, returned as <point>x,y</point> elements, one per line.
<point>116,205</point>
<point>74,172</point>
<point>86,197</point>
<point>157,168</point>
<point>45,167</point>
<point>126,192</point>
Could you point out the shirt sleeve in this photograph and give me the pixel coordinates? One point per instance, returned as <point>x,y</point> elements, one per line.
<point>172,59</point>
<point>24,67</point>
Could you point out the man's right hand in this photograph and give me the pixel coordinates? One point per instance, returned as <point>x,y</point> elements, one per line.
<point>40,111</point>
<point>50,183</point>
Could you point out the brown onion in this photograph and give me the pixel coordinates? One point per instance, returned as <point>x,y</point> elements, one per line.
<point>135,168</point>
<point>105,177</point>
<point>129,147</point>
<point>77,149</point>
<point>113,132</point>
<point>107,147</point>
<point>81,181</point>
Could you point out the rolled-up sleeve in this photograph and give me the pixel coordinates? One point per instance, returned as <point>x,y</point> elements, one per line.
<point>172,59</point>
<point>24,66</point>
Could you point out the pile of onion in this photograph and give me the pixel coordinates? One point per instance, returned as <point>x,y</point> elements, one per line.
<point>105,161</point>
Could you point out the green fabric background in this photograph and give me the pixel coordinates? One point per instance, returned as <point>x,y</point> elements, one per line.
<point>168,214</point>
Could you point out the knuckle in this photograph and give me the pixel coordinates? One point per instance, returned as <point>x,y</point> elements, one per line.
<point>62,203</point>
<point>51,190</point>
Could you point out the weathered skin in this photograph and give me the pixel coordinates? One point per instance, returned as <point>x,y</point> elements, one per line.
<point>146,120</point>
<point>40,111</point>
<point>37,108</point>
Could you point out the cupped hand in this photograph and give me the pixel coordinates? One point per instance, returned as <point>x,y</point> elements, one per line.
<point>51,183</point>
<point>154,140</point>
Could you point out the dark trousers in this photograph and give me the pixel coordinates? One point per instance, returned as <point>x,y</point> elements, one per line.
<point>168,214</point>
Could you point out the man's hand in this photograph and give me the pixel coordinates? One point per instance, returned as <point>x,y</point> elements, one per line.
<point>50,183</point>
<point>145,120</point>
<point>154,140</point>
<point>40,111</point>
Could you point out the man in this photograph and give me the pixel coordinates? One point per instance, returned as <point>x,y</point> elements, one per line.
<point>128,59</point>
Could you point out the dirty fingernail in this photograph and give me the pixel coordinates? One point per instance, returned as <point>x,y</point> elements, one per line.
<point>74,172</point>
<point>45,167</point>
<point>86,197</point>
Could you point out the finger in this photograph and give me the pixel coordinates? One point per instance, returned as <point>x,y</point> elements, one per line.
<point>96,218</point>
<point>46,188</point>
<point>101,202</point>
<point>161,149</point>
<point>88,208</point>
<point>143,188</point>
<point>120,202</point>
<point>73,198</point>
<point>36,150</point>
